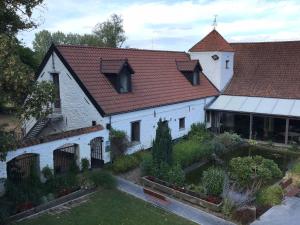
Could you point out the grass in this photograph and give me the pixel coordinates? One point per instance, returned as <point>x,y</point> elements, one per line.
<point>110,207</point>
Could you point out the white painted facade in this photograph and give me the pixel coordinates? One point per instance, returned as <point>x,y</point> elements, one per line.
<point>45,150</point>
<point>216,70</point>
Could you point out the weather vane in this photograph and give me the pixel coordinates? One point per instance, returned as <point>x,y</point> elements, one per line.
<point>215,22</point>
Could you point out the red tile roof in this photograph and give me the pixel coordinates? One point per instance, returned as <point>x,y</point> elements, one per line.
<point>156,81</point>
<point>189,65</point>
<point>268,69</point>
<point>212,42</point>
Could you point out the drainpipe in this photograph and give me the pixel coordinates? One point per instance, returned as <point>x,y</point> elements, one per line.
<point>250,126</point>
<point>286,137</point>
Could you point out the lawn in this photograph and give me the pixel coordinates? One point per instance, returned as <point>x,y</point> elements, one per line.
<point>111,207</point>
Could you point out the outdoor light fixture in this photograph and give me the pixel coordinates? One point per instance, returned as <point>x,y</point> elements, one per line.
<point>215,57</point>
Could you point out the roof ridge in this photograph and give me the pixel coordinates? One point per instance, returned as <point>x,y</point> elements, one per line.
<point>127,49</point>
<point>265,42</point>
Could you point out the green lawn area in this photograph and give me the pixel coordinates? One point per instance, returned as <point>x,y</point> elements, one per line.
<point>111,207</point>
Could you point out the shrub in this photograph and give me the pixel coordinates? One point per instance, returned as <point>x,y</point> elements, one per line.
<point>270,196</point>
<point>47,172</point>
<point>253,171</point>
<point>227,207</point>
<point>229,139</point>
<point>118,143</point>
<point>162,146</point>
<point>196,188</point>
<point>85,164</point>
<point>147,165</point>
<point>188,152</point>
<point>199,133</point>
<point>296,168</point>
<point>176,175</point>
<point>125,163</point>
<point>103,179</point>
<point>213,181</point>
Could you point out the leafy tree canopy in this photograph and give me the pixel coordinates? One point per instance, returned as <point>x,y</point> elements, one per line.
<point>107,34</point>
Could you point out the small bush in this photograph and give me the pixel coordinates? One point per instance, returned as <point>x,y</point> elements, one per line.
<point>227,207</point>
<point>103,179</point>
<point>296,168</point>
<point>196,188</point>
<point>147,165</point>
<point>199,133</point>
<point>229,139</point>
<point>176,175</point>
<point>213,181</point>
<point>188,152</point>
<point>47,172</point>
<point>85,164</point>
<point>119,143</point>
<point>270,196</point>
<point>125,163</point>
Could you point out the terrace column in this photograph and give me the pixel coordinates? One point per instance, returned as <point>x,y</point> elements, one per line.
<point>286,137</point>
<point>250,126</point>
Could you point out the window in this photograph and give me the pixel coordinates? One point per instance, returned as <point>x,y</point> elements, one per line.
<point>124,82</point>
<point>207,116</point>
<point>135,131</point>
<point>55,78</point>
<point>195,77</point>
<point>181,123</point>
<point>227,64</point>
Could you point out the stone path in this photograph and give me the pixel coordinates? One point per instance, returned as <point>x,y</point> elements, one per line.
<point>285,213</point>
<point>172,205</point>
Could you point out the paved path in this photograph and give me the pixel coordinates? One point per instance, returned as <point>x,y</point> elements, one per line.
<point>285,213</point>
<point>172,205</point>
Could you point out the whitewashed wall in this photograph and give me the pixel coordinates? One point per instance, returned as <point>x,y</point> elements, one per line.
<point>216,70</point>
<point>45,150</point>
<point>76,108</point>
<point>193,111</point>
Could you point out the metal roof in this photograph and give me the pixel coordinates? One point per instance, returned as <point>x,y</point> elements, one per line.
<point>259,105</point>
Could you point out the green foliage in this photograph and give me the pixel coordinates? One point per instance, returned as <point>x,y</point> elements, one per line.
<point>200,189</point>
<point>147,165</point>
<point>16,15</point>
<point>249,171</point>
<point>162,146</point>
<point>188,152</point>
<point>176,175</point>
<point>103,179</point>
<point>213,181</point>
<point>296,168</point>
<point>199,133</point>
<point>5,211</point>
<point>39,104</point>
<point>111,32</point>
<point>47,173</point>
<point>227,206</point>
<point>125,163</point>
<point>118,143</point>
<point>85,164</point>
<point>224,142</point>
<point>270,196</point>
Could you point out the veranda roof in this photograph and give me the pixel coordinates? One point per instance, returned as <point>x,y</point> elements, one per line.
<point>257,105</point>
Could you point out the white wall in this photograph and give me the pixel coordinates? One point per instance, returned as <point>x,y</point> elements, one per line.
<point>193,111</point>
<point>76,108</point>
<point>45,150</point>
<point>216,70</point>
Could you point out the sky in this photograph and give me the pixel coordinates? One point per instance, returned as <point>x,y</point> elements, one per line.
<point>173,24</point>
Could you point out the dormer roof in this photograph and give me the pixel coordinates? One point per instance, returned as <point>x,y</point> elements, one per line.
<point>114,66</point>
<point>188,65</point>
<point>211,43</point>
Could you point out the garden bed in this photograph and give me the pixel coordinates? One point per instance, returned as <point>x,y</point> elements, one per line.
<point>211,203</point>
<point>50,204</point>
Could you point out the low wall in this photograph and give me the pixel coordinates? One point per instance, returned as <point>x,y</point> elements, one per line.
<point>180,195</point>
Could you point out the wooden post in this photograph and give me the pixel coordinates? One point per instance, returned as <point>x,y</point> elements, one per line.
<point>250,126</point>
<point>286,138</point>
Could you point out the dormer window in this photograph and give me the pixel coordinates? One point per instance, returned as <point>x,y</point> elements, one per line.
<point>118,72</point>
<point>191,70</point>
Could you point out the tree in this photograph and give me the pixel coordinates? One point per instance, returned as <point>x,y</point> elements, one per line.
<point>16,68</point>
<point>162,145</point>
<point>111,32</point>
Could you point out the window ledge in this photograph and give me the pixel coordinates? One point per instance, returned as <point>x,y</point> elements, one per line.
<point>181,129</point>
<point>134,143</point>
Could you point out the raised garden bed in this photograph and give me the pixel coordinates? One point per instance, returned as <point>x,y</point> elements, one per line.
<point>211,203</point>
<point>50,204</point>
